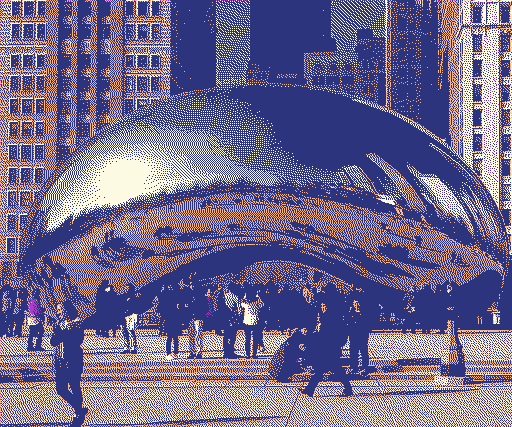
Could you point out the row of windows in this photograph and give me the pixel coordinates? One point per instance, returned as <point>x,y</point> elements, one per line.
<point>12,222</point>
<point>504,42</point>
<point>141,61</point>
<point>142,83</point>
<point>477,142</point>
<point>504,93</point>
<point>25,198</point>
<point>142,8</point>
<point>27,106</point>
<point>142,32</point>
<point>28,61</point>
<point>28,8</point>
<point>26,175</point>
<point>27,129</point>
<point>478,114</point>
<point>504,68</point>
<point>505,169</point>
<point>25,152</point>
<point>30,31</point>
<point>27,83</point>
<point>477,10</point>
<point>129,104</point>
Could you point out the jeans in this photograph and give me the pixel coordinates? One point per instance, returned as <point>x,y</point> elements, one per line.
<point>130,339</point>
<point>69,373</point>
<point>37,332</point>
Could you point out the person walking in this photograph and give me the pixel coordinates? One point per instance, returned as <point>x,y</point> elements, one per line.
<point>35,321</point>
<point>19,312</point>
<point>129,326</point>
<point>251,305</point>
<point>67,338</point>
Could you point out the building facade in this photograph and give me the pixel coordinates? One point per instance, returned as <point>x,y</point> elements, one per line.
<point>370,77</point>
<point>70,68</point>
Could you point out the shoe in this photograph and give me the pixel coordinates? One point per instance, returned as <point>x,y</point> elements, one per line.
<point>133,351</point>
<point>125,351</point>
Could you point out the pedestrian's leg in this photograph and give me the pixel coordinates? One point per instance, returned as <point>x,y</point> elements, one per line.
<point>39,332</point>
<point>133,344</point>
<point>309,390</point>
<point>229,342</point>
<point>126,336</point>
<point>30,343</point>
<point>200,337</point>
<point>191,332</point>
<point>247,332</point>
<point>61,384</point>
<point>75,371</point>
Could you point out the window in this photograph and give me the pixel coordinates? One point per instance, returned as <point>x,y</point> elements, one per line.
<point>40,106</point>
<point>505,117</point>
<point>477,43</point>
<point>477,13</point>
<point>143,31</point>
<point>15,61</point>
<point>155,61</point>
<point>25,198</point>
<point>40,83</point>
<point>505,93</point>
<point>130,31</point>
<point>27,106</point>
<point>39,152</point>
<point>129,8</point>
<point>142,83</point>
<point>477,142</point>
<point>12,223</point>
<point>26,129</point>
<point>40,60</point>
<point>40,129</point>
<point>28,61</point>
<point>13,152</point>
<point>141,103</point>
<point>129,84</point>
<point>155,8</point>
<point>14,129</point>
<point>28,8</point>
<point>505,68</point>
<point>12,199</point>
<point>11,245</point>
<point>477,117</point>
<point>155,83</point>
<point>505,167</point>
<point>26,175</point>
<point>477,68</point>
<point>477,166</point>
<point>505,193</point>
<point>477,93</point>
<point>13,175</point>
<point>129,61</point>
<point>505,13</point>
<point>28,30</point>
<point>26,152</point>
<point>143,8</point>
<point>28,83</point>
<point>128,106</point>
<point>14,107</point>
<point>505,142</point>
<point>15,8</point>
<point>40,174</point>
<point>155,31</point>
<point>41,8</point>
<point>15,31</point>
<point>41,31</point>
<point>142,62</point>
<point>506,216</point>
<point>504,42</point>
<point>23,222</point>
<point>14,85</point>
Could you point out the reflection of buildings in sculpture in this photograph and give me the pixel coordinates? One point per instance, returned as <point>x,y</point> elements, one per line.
<point>321,69</point>
<point>281,32</point>
<point>255,75</point>
<point>71,68</point>
<point>370,76</point>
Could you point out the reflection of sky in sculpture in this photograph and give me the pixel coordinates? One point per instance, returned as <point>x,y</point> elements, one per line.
<point>180,144</point>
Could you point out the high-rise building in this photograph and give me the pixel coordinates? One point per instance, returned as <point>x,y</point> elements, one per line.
<point>478,41</point>
<point>371,74</point>
<point>72,67</point>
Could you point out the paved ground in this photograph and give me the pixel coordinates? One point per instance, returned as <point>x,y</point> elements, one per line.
<point>146,389</point>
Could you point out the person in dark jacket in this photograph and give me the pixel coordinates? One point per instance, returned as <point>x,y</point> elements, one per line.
<point>67,338</point>
<point>19,312</point>
<point>105,301</point>
<point>35,320</point>
<point>6,318</point>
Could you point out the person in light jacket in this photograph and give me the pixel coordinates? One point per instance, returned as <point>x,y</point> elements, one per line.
<point>251,305</point>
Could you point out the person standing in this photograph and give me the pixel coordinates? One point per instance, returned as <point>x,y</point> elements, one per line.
<point>129,326</point>
<point>105,301</point>
<point>67,338</point>
<point>6,313</point>
<point>19,312</point>
<point>35,320</point>
<point>251,305</point>
<point>230,313</point>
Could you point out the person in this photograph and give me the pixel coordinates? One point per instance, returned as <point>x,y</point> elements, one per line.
<point>11,303</point>
<point>67,338</point>
<point>251,305</point>
<point>129,326</point>
<point>230,314</point>
<point>19,312</point>
<point>7,307</point>
<point>105,300</point>
<point>35,320</point>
